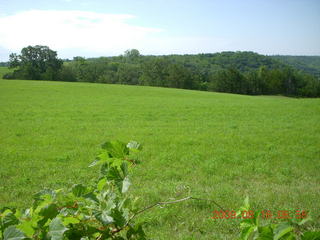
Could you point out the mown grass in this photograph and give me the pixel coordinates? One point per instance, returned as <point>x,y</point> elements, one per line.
<point>208,145</point>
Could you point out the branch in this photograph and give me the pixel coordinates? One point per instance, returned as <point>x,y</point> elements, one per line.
<point>164,203</point>
<point>214,202</point>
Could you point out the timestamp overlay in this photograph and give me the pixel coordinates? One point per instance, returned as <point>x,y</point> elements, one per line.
<point>264,214</point>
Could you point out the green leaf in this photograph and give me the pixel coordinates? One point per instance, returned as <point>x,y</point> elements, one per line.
<point>125,185</point>
<point>94,163</point>
<point>12,233</point>
<point>265,233</point>
<point>109,204</point>
<point>109,168</point>
<point>117,162</point>
<point>289,236</point>
<point>78,190</point>
<point>43,193</point>
<point>43,197</point>
<point>5,211</point>
<point>134,146</point>
<point>27,228</point>
<point>245,207</point>
<point>9,219</point>
<point>104,217</point>
<point>116,149</point>
<point>124,168</point>
<point>70,220</point>
<point>102,157</point>
<point>113,174</point>
<point>49,211</point>
<point>247,232</point>
<point>119,217</point>
<point>282,229</point>
<point>311,236</point>
<point>56,229</point>
<point>247,223</point>
<point>126,214</point>
<point>124,203</point>
<point>104,169</point>
<point>136,232</point>
<point>91,196</point>
<point>102,182</point>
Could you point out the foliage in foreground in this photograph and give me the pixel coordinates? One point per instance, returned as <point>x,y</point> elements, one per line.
<point>104,210</point>
<point>252,228</point>
<point>100,210</point>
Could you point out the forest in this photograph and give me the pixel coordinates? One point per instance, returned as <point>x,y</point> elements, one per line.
<point>307,64</point>
<point>231,72</point>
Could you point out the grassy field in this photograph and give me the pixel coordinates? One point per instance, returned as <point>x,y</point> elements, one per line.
<point>208,145</point>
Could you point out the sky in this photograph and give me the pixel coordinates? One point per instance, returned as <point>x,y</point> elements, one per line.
<point>93,28</point>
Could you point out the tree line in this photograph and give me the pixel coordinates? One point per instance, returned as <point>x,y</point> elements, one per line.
<point>231,72</point>
<point>307,64</point>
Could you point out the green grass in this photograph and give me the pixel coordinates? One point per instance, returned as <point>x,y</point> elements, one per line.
<point>213,145</point>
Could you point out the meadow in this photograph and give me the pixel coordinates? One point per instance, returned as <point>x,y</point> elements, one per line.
<point>203,144</point>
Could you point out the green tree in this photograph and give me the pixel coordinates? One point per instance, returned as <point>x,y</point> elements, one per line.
<point>36,62</point>
<point>110,75</point>
<point>132,55</point>
<point>231,81</point>
<point>129,74</point>
<point>79,67</point>
<point>155,72</point>
<point>180,76</point>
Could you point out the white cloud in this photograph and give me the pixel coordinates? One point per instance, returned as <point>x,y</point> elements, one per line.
<point>61,30</point>
<point>90,34</point>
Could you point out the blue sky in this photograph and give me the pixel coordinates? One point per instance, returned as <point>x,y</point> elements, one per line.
<point>93,28</point>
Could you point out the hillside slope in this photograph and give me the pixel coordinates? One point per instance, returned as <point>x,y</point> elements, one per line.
<point>308,64</point>
<point>209,145</point>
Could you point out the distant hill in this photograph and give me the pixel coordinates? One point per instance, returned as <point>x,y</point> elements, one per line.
<point>233,72</point>
<point>308,64</point>
<point>242,61</point>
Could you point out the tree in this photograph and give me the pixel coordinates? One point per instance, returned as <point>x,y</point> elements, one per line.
<point>132,55</point>
<point>129,74</point>
<point>231,80</point>
<point>155,72</point>
<point>180,76</point>
<point>36,62</point>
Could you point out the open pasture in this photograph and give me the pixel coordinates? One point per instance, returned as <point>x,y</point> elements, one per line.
<point>208,145</point>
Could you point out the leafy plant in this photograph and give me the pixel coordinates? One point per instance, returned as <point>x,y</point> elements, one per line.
<point>293,229</point>
<point>98,210</point>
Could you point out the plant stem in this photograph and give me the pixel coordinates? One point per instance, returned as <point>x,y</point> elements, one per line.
<point>165,203</point>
